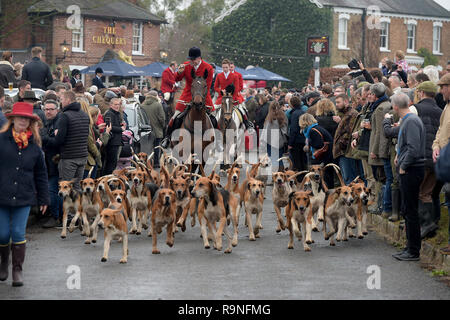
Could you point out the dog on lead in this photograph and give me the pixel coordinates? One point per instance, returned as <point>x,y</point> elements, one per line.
<point>299,217</point>
<point>337,204</point>
<point>71,204</point>
<point>114,223</point>
<point>163,214</point>
<point>214,206</point>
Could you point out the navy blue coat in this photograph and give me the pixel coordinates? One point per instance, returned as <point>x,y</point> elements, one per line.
<point>98,82</point>
<point>295,135</point>
<point>23,174</point>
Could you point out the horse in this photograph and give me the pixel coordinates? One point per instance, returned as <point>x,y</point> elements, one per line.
<point>227,120</point>
<point>196,113</point>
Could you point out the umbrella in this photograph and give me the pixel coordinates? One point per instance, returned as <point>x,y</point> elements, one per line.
<point>154,69</point>
<point>116,67</point>
<point>259,73</point>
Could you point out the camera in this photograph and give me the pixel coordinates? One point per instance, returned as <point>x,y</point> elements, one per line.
<point>353,64</point>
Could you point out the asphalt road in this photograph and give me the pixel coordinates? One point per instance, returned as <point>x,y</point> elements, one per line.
<point>264,269</point>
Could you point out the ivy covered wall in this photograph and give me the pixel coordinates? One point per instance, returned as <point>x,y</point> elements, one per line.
<point>278,28</point>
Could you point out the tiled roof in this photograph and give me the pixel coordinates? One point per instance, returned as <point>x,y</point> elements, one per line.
<point>100,8</point>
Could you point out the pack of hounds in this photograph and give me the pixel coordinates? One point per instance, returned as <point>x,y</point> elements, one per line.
<point>150,200</point>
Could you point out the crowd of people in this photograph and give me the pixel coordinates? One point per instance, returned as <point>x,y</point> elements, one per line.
<point>387,126</point>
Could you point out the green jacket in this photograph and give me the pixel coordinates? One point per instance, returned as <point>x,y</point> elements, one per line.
<point>379,144</point>
<point>156,115</point>
<point>94,155</point>
<point>356,153</point>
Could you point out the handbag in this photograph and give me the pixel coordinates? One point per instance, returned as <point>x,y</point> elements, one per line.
<point>320,153</point>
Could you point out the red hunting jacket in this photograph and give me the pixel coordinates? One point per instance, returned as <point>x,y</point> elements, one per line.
<point>241,86</point>
<point>186,96</point>
<point>167,81</point>
<point>222,83</point>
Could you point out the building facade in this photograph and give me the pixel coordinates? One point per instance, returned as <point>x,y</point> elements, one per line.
<point>81,37</point>
<point>379,31</point>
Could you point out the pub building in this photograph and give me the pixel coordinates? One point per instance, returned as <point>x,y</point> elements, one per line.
<point>77,33</point>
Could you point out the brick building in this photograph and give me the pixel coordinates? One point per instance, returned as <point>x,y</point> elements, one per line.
<point>103,24</point>
<point>406,25</point>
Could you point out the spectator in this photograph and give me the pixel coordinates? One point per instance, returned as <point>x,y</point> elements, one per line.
<point>22,85</point>
<point>37,71</point>
<point>274,135</point>
<point>251,104</point>
<point>377,75</point>
<point>76,77</point>
<point>430,188</point>
<point>400,60</point>
<point>56,80</point>
<point>168,83</point>
<point>342,138</point>
<point>97,81</point>
<point>93,90</point>
<point>326,116</point>
<point>7,73</point>
<point>157,118</point>
<point>312,99</point>
<point>379,146</point>
<point>395,82</point>
<point>410,162</point>
<point>71,138</point>
<point>59,90</point>
<point>2,103</point>
<point>101,135</point>
<point>30,97</point>
<point>296,141</point>
<point>114,117</point>
<point>316,138</point>
<point>443,136</point>
<point>327,91</point>
<point>23,166</point>
<point>262,110</point>
<point>51,109</point>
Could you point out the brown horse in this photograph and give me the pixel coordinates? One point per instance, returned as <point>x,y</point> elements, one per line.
<point>197,118</point>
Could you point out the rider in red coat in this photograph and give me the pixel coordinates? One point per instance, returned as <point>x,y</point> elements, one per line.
<point>241,107</point>
<point>201,68</point>
<point>168,83</point>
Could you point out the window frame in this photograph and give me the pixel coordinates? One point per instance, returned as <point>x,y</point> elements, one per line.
<point>387,22</point>
<point>79,32</point>
<point>437,26</point>
<point>140,44</point>
<point>344,18</point>
<point>412,23</point>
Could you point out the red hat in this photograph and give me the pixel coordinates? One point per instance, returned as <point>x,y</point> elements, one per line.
<point>22,109</point>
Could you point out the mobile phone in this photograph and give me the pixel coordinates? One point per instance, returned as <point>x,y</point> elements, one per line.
<point>108,120</point>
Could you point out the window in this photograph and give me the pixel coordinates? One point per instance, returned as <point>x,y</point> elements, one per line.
<point>137,38</point>
<point>343,24</point>
<point>384,36</point>
<point>411,37</point>
<point>77,38</point>
<point>437,31</point>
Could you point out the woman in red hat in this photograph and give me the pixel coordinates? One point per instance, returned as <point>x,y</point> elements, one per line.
<point>23,183</point>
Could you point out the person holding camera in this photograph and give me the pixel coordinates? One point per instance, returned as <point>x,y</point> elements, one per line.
<point>114,118</point>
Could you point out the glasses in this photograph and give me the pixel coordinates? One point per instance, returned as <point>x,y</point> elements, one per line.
<point>49,109</point>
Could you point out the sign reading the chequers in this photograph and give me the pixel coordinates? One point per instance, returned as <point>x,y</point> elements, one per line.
<point>318,46</point>
<point>108,37</point>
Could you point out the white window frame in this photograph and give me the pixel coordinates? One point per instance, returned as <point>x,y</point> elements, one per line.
<point>140,25</point>
<point>413,23</point>
<point>344,18</point>
<point>387,21</point>
<point>437,26</point>
<point>79,32</point>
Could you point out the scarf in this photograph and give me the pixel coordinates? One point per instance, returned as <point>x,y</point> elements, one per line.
<point>22,138</point>
<point>378,102</point>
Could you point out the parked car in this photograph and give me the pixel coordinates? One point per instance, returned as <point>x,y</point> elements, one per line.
<point>140,126</point>
<point>12,93</point>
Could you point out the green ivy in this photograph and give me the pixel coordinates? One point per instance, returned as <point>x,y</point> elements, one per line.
<point>429,58</point>
<point>249,27</point>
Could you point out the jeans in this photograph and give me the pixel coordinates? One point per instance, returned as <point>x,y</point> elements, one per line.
<point>72,169</point>
<point>55,201</point>
<point>13,223</point>
<point>348,167</point>
<point>387,194</point>
<point>274,156</point>
<point>409,188</point>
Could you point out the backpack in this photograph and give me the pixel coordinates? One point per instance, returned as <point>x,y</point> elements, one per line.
<point>127,138</point>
